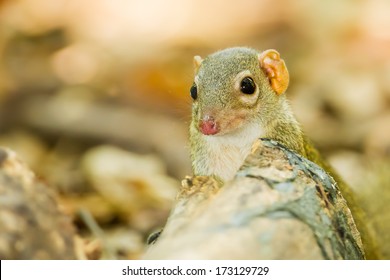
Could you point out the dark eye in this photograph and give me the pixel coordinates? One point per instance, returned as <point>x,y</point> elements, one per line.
<point>194,91</point>
<point>247,85</point>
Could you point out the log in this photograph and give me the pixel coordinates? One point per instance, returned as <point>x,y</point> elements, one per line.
<point>31,223</point>
<point>279,206</point>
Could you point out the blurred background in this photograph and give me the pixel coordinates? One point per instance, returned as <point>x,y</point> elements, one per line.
<point>94,96</point>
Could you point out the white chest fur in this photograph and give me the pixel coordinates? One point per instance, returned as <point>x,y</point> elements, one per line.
<point>223,155</point>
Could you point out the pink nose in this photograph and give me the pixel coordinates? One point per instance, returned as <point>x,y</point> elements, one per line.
<point>208,126</point>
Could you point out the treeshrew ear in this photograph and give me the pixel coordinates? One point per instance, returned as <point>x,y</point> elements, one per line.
<point>275,69</point>
<point>197,62</point>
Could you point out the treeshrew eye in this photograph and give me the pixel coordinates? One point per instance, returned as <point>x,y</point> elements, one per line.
<point>194,92</point>
<point>247,85</point>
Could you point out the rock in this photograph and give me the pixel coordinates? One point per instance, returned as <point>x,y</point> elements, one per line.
<point>31,223</point>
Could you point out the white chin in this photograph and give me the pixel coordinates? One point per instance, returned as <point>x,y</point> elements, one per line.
<point>227,152</point>
<point>240,137</point>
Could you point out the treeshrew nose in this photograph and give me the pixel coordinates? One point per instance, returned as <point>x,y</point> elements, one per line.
<point>208,126</point>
